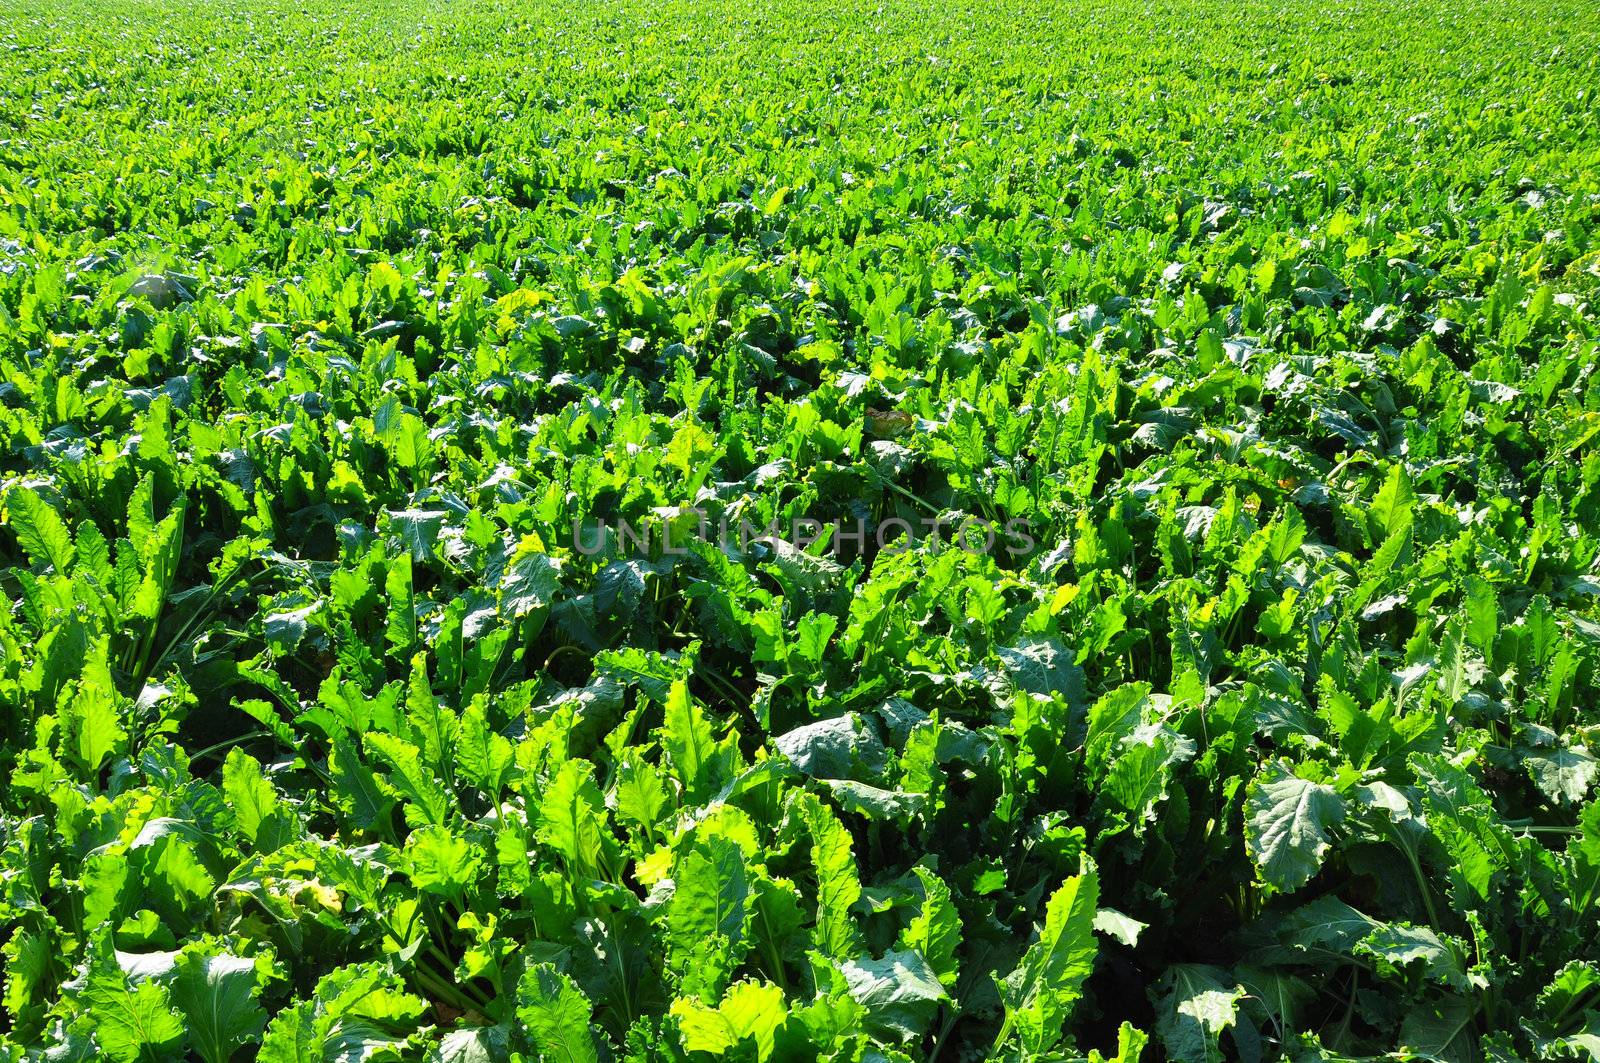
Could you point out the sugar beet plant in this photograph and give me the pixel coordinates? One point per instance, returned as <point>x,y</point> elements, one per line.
<point>354,367</point>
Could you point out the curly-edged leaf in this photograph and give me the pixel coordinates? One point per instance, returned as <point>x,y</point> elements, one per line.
<point>133,1019</point>
<point>173,855</point>
<point>801,572</point>
<point>710,906</point>
<point>1138,779</point>
<point>1582,1044</point>
<point>687,739</point>
<point>838,886</point>
<point>1197,1003</point>
<point>1461,667</point>
<point>900,993</point>
<point>1448,789</point>
<point>571,820</point>
<point>94,711</point>
<point>1131,1043</point>
<point>935,931</point>
<point>264,713</point>
<point>400,625</point>
<point>426,801</point>
<point>1392,505</point>
<point>1563,773</point>
<point>641,791</point>
<point>556,1014</point>
<point>529,583</point>
<point>427,722</point>
<point>355,1013</point>
<point>262,817</point>
<point>1112,718</point>
<point>441,862</point>
<point>1400,944</point>
<point>356,789</point>
<point>483,757</point>
<point>751,1012</point>
<point>1040,994</point>
<point>1573,987</point>
<point>1376,572</point>
<point>40,529</point>
<point>29,959</point>
<point>1286,825</point>
<point>652,673</point>
<point>474,1044</point>
<point>217,997</point>
<point>845,747</point>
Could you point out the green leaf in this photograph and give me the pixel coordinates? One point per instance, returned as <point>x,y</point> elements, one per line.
<point>217,997</point>
<point>1376,572</point>
<point>641,792</point>
<point>1583,1044</point>
<point>570,818</point>
<point>142,517</point>
<point>838,886</point>
<point>440,862</point>
<point>1040,994</point>
<point>1460,666</point>
<point>1286,825</point>
<point>40,529</point>
<point>483,757</point>
<point>1573,985</point>
<point>133,1020</point>
<point>1112,718</point>
<point>1131,1043</point>
<point>1563,773</point>
<point>709,915</point>
<point>261,815</point>
<point>1391,507</point>
<point>400,627</point>
<point>1441,1030</point>
<point>751,1013</point>
<point>874,802</point>
<point>426,800</point>
<point>417,530</point>
<point>356,788</point>
<point>1138,778</point>
<point>935,931</point>
<point>1197,1004</point>
<point>94,712</point>
<point>1123,928</point>
<point>812,633</point>
<point>899,992</point>
<point>845,747</point>
<point>687,739</point>
<point>355,1013</point>
<point>474,1044</point>
<point>556,1013</point>
<point>1401,944</point>
<point>530,583</point>
<point>1040,667</point>
<point>1326,923</point>
<point>1583,860</point>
